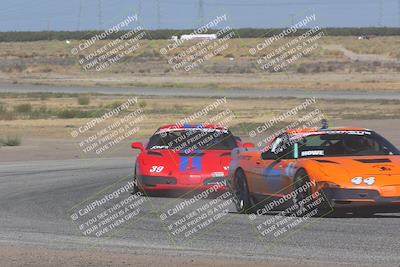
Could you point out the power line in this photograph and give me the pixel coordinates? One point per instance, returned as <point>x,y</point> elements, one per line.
<point>158,15</point>
<point>398,13</point>
<point>79,15</point>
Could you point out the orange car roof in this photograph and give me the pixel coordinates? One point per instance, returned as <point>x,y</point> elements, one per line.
<point>311,130</point>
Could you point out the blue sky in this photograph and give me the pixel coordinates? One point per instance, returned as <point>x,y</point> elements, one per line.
<point>36,15</point>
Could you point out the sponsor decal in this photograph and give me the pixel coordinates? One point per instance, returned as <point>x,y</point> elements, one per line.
<point>159,147</point>
<point>217,174</point>
<point>312,153</point>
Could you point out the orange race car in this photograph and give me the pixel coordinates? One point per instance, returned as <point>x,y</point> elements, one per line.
<point>342,169</point>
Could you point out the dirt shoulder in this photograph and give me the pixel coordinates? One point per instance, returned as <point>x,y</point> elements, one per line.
<point>364,81</point>
<point>11,256</point>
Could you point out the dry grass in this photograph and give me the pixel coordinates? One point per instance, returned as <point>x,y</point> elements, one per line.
<point>50,62</point>
<point>379,45</point>
<point>238,48</point>
<point>247,114</point>
<point>10,141</point>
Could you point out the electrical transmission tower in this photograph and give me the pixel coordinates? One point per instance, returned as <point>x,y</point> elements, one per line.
<point>380,15</point>
<point>100,14</point>
<point>139,11</point>
<point>291,19</point>
<point>158,15</point>
<point>398,13</point>
<point>201,12</point>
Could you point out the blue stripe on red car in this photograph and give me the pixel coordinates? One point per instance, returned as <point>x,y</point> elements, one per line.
<point>191,162</point>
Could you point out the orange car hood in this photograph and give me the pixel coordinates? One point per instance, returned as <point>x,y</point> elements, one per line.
<point>342,169</point>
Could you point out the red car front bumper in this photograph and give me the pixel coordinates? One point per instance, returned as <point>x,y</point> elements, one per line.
<point>161,183</point>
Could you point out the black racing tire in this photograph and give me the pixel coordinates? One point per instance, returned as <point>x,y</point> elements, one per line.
<point>241,191</point>
<point>136,188</point>
<point>301,179</point>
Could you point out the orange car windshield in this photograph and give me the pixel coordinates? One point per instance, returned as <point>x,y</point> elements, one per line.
<point>331,143</point>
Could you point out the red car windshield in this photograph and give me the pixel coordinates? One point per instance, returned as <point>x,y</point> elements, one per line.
<point>189,140</point>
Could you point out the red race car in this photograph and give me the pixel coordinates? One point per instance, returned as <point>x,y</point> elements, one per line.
<point>188,157</point>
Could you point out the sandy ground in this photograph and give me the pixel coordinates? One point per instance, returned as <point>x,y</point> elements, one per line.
<point>12,256</point>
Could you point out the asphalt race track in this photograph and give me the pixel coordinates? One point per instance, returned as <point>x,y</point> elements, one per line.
<point>36,199</point>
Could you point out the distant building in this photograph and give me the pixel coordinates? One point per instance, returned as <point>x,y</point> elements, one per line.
<point>363,37</point>
<point>198,37</point>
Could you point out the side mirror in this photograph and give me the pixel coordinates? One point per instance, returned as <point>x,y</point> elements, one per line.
<point>268,155</point>
<point>137,145</point>
<point>249,145</point>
